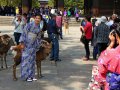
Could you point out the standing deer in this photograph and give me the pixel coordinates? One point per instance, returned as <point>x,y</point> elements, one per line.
<point>41,54</point>
<point>5,43</point>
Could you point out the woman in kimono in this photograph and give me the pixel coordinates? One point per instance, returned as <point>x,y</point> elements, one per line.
<point>109,63</point>
<point>30,41</point>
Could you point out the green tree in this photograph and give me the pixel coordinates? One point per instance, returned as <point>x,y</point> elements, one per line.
<point>35,3</point>
<point>10,2</point>
<point>70,3</point>
<point>51,3</point>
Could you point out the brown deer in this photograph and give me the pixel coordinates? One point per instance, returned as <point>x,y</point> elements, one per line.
<point>41,54</point>
<point>5,43</point>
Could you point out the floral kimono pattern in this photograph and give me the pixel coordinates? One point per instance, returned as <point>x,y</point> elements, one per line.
<point>31,38</point>
<point>109,67</point>
<point>107,73</point>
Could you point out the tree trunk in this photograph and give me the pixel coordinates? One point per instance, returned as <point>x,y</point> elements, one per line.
<point>26,6</point>
<point>59,4</point>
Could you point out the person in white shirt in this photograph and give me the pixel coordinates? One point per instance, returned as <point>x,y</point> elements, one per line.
<point>110,22</point>
<point>18,28</point>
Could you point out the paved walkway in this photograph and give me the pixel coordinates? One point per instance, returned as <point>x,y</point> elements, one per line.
<point>70,74</point>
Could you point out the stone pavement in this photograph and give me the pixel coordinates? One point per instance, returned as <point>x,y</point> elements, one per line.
<point>70,74</point>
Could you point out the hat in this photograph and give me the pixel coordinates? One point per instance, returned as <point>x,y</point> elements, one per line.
<point>103,19</point>
<point>98,22</point>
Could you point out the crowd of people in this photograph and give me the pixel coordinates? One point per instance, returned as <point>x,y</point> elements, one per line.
<point>12,11</point>
<point>105,38</point>
<point>29,31</point>
<point>103,33</point>
<point>7,11</point>
<point>97,31</point>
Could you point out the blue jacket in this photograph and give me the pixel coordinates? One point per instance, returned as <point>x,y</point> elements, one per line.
<point>52,27</point>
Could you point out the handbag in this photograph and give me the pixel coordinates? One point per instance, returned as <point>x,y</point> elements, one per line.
<point>83,39</point>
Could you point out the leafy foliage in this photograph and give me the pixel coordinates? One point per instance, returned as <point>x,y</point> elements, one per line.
<point>70,3</point>
<point>51,3</point>
<point>35,3</point>
<point>10,2</point>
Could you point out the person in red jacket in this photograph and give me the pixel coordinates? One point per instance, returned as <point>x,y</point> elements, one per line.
<point>87,30</point>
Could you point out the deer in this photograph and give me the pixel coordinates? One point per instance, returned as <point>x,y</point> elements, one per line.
<point>41,55</point>
<point>5,43</point>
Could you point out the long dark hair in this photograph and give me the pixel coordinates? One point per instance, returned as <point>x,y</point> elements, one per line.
<point>113,32</point>
<point>118,30</point>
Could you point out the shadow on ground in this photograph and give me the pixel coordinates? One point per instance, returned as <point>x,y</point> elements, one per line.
<point>72,73</point>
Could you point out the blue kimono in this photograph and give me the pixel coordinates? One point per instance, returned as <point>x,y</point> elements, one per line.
<point>114,81</point>
<point>31,38</point>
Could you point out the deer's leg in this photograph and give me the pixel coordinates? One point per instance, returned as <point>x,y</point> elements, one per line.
<point>5,61</point>
<point>1,61</point>
<point>38,73</point>
<point>14,72</point>
<point>40,70</point>
<point>16,63</point>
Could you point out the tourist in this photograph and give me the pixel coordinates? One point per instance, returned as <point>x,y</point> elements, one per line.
<point>108,62</point>
<point>30,40</point>
<point>18,28</point>
<point>53,35</point>
<point>102,33</point>
<point>59,24</point>
<point>87,30</point>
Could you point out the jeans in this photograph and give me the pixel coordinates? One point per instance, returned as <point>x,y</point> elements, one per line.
<point>60,32</point>
<point>17,37</point>
<point>55,47</point>
<point>87,50</point>
<point>101,47</point>
<point>95,51</point>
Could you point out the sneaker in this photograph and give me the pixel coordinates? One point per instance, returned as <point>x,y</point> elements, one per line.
<point>53,62</point>
<point>29,80</point>
<point>34,79</point>
<point>58,60</point>
<point>61,37</point>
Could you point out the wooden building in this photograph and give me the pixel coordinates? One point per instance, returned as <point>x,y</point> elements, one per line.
<point>59,4</point>
<point>26,5</point>
<point>102,7</point>
<point>43,3</point>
